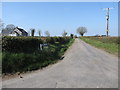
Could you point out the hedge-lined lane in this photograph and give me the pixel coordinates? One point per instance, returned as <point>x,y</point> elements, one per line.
<point>23,53</point>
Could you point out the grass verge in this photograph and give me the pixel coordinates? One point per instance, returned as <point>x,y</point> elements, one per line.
<point>109,47</point>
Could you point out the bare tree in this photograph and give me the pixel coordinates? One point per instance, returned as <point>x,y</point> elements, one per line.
<point>81,30</point>
<point>71,35</point>
<point>28,33</point>
<point>39,32</point>
<point>32,31</point>
<point>47,33</point>
<point>1,25</point>
<point>64,33</point>
<point>10,27</point>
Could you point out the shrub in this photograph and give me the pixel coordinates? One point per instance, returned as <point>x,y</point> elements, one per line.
<point>20,44</point>
<point>22,54</point>
<point>28,44</point>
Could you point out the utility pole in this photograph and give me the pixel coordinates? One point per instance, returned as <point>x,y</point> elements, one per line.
<point>107,20</point>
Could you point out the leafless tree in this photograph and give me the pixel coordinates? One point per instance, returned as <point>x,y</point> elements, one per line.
<point>39,32</point>
<point>64,33</point>
<point>47,33</point>
<point>1,25</point>
<point>71,35</point>
<point>10,27</point>
<point>32,31</point>
<point>81,30</point>
<point>28,33</point>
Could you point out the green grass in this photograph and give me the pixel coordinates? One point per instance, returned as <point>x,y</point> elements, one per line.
<point>108,45</point>
<point>0,63</point>
<point>13,62</point>
<point>65,47</point>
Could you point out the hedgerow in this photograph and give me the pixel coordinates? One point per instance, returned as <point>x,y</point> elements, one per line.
<point>29,44</point>
<point>24,54</point>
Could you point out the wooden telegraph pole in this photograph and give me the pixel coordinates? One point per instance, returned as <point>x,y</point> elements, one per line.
<point>107,20</point>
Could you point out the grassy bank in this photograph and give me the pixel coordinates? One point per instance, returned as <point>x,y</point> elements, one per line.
<point>21,61</point>
<point>109,44</point>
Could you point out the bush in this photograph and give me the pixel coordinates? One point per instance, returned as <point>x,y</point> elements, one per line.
<point>20,44</point>
<point>28,44</point>
<point>22,54</point>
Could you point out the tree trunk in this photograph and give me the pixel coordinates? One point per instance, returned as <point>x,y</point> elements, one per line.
<point>81,34</point>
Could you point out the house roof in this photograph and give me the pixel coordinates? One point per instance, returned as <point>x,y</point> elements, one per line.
<point>17,30</point>
<point>20,29</point>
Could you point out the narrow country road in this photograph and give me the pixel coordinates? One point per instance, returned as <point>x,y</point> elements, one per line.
<point>83,67</point>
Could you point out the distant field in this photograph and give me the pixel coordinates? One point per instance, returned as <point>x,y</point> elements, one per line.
<point>109,44</point>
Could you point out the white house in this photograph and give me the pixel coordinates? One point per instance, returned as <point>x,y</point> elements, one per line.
<point>14,32</point>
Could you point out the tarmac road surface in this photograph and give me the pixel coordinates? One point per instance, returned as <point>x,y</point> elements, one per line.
<point>83,67</point>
